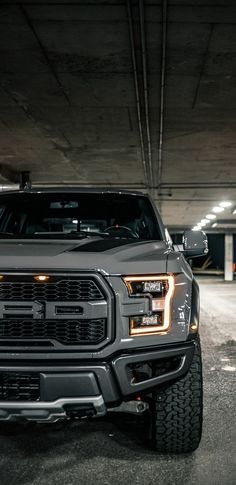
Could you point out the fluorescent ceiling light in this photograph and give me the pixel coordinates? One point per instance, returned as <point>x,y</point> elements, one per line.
<point>196,228</point>
<point>205,221</point>
<point>210,216</point>
<point>234,211</point>
<point>225,203</point>
<point>218,209</point>
<point>214,225</point>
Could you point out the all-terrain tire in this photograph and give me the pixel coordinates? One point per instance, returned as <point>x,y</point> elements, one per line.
<point>177,411</point>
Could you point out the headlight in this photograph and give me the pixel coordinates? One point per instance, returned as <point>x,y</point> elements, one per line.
<point>160,290</point>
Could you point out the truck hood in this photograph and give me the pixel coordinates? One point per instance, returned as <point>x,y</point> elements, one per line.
<point>108,256</point>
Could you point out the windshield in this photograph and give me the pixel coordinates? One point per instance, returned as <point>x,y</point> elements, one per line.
<point>35,215</point>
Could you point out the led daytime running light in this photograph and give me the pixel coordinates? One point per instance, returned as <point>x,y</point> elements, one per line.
<point>167,301</point>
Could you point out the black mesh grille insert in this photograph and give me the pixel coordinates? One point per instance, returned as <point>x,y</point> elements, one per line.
<point>16,386</point>
<point>67,332</point>
<point>61,290</point>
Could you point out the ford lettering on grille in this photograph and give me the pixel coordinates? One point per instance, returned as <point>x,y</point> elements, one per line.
<point>52,309</point>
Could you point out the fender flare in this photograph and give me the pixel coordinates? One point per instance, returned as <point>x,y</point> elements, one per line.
<point>195,305</point>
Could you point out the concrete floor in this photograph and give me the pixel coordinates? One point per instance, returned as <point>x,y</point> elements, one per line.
<point>112,451</point>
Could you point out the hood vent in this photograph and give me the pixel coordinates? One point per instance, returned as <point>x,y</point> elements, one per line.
<point>103,245</point>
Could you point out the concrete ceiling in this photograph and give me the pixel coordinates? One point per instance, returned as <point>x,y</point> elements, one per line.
<point>69,111</point>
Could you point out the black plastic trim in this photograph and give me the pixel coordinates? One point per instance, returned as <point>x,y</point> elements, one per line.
<point>120,364</point>
<point>102,373</point>
<point>110,378</point>
<point>55,385</point>
<point>195,309</point>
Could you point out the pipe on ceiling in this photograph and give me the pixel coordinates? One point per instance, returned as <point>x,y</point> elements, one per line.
<point>136,86</point>
<point>145,88</point>
<point>162,90</point>
<point>4,187</point>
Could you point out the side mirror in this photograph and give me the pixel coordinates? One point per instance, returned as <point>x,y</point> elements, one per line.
<point>195,244</point>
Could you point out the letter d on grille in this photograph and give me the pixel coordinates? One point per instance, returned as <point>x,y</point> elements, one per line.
<point>20,309</point>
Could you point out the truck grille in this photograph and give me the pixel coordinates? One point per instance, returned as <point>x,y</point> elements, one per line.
<point>67,332</point>
<point>16,386</point>
<point>61,290</point>
<point>66,310</point>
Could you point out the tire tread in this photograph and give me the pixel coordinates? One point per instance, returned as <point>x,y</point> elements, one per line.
<point>177,414</point>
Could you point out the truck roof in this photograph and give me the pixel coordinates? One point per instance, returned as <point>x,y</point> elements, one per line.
<point>72,189</point>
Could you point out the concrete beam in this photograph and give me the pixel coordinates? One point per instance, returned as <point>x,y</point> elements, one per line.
<point>228,275</point>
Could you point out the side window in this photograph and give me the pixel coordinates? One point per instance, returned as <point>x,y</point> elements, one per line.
<point>2,209</point>
<point>13,221</point>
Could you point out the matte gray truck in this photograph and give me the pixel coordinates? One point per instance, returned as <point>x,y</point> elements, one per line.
<point>98,310</point>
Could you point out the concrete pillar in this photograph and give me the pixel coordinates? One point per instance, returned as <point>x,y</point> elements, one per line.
<point>229,257</point>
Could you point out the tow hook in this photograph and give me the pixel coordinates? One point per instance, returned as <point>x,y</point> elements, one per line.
<point>76,412</point>
<point>132,407</point>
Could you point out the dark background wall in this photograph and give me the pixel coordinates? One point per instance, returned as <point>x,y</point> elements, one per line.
<point>216,251</point>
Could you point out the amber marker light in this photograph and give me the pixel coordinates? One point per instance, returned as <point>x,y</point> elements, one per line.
<point>41,278</point>
<point>149,323</point>
<point>1,277</point>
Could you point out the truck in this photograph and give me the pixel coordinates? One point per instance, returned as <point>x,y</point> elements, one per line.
<point>99,311</point>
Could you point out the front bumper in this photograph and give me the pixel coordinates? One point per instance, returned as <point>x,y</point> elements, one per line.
<point>52,411</point>
<point>92,387</point>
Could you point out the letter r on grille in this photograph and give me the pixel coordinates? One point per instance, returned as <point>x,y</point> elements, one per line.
<point>20,309</point>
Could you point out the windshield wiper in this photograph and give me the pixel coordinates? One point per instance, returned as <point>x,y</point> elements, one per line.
<point>98,234</point>
<point>90,233</point>
<point>76,234</point>
<point>2,233</point>
<point>82,234</point>
<point>64,235</point>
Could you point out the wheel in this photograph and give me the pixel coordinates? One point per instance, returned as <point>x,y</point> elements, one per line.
<point>177,411</point>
